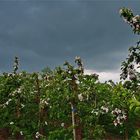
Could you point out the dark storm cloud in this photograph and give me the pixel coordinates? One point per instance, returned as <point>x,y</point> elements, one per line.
<point>49,32</point>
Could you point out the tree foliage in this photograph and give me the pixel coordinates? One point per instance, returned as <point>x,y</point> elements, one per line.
<point>65,103</point>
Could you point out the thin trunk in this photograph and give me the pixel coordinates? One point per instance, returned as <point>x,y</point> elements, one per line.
<point>39,109</point>
<point>77,131</point>
<point>73,121</point>
<point>78,128</point>
<point>126,134</point>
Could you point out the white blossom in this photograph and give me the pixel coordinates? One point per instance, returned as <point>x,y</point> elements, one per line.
<point>39,77</point>
<point>120,116</point>
<point>22,105</point>
<point>120,11</point>
<point>115,123</point>
<point>87,97</point>
<point>46,123</point>
<point>69,72</point>
<point>77,82</point>
<point>11,123</point>
<point>105,109</point>
<point>37,135</point>
<point>120,131</point>
<point>20,74</point>
<point>138,26</point>
<point>21,133</point>
<point>118,119</point>
<point>62,124</point>
<point>124,117</point>
<point>19,90</point>
<point>77,58</point>
<point>95,112</point>
<point>8,101</point>
<point>117,111</point>
<point>46,103</point>
<point>134,20</point>
<point>80,97</point>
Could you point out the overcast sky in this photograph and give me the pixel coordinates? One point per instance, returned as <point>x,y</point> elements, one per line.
<point>48,32</point>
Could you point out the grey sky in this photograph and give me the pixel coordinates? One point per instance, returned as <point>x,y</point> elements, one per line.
<point>48,32</point>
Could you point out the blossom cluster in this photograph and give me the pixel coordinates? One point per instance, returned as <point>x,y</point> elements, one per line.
<point>133,21</point>
<point>83,96</point>
<point>102,110</point>
<point>37,135</point>
<point>6,103</point>
<point>44,102</point>
<point>120,116</point>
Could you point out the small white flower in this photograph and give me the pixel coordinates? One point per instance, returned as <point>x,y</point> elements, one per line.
<point>77,58</point>
<point>21,133</point>
<point>105,109</point>
<point>80,97</point>
<point>124,117</point>
<point>87,97</point>
<point>96,113</point>
<point>62,124</point>
<point>11,123</point>
<point>9,74</point>
<point>46,103</point>
<point>138,26</point>
<point>118,111</point>
<point>37,135</point>
<point>118,120</point>
<point>120,11</point>
<point>92,111</point>
<point>22,105</point>
<point>19,90</point>
<point>120,132</point>
<point>113,112</point>
<point>69,72</point>
<point>77,82</point>
<point>20,74</point>
<point>46,123</point>
<point>134,19</point>
<point>40,77</point>
<point>7,103</point>
<point>115,123</point>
